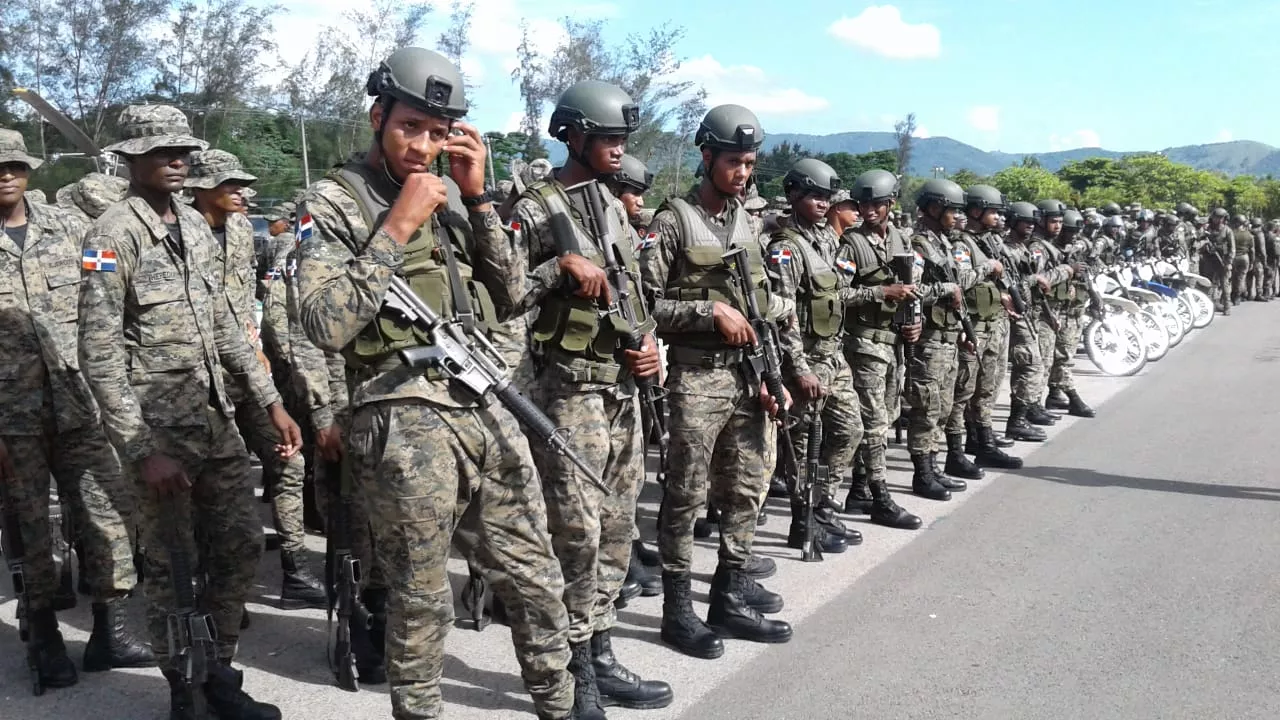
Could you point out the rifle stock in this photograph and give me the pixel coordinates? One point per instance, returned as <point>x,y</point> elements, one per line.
<point>190,631</point>
<point>344,584</point>
<point>15,556</point>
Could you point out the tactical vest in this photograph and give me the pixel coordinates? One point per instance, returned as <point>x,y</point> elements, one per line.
<point>873,268</point>
<point>425,269</point>
<point>983,299</point>
<point>819,291</point>
<point>706,275</point>
<point>576,325</point>
<point>1052,256</point>
<point>941,315</point>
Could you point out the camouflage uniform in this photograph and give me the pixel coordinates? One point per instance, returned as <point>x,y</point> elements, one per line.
<point>1190,239</point>
<point>1027,363</point>
<point>1219,251</point>
<point>1240,264</point>
<point>804,259</point>
<point>161,389</point>
<point>1258,263</point>
<point>49,422</point>
<point>581,385</point>
<point>428,461</point>
<point>1064,300</point>
<point>981,372</point>
<point>90,196</point>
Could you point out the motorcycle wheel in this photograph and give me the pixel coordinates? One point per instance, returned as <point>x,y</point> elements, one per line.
<point>1169,316</point>
<point>1155,335</point>
<point>1186,311</point>
<point>1203,306</point>
<point>1115,346</point>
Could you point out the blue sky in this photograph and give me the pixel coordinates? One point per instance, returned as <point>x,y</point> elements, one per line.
<point>1009,75</point>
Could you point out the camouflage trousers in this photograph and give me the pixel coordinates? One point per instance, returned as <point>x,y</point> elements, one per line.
<point>841,422</point>
<point>992,357</point>
<point>968,367</point>
<point>358,530</point>
<point>93,489</point>
<point>1254,289</point>
<point>1269,276</point>
<point>220,510</point>
<point>931,389</point>
<point>718,434</point>
<point>1060,345</point>
<point>1239,277</point>
<point>1025,379</point>
<point>432,476</point>
<point>591,532</point>
<point>874,367</point>
<point>287,476</point>
<point>1220,277</point>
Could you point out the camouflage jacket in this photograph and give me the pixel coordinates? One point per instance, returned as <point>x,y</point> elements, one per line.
<point>938,274</point>
<point>1221,241</point>
<point>344,270</point>
<point>39,291</point>
<point>806,251</point>
<point>155,327</point>
<point>238,270</point>
<point>1049,260</point>
<point>318,378</point>
<point>272,282</point>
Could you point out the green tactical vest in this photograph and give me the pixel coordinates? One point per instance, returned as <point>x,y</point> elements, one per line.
<point>1051,256</point>
<point>576,325</point>
<point>983,299</point>
<point>872,269</point>
<point>940,315</point>
<point>703,273</point>
<point>818,296</point>
<point>424,269</point>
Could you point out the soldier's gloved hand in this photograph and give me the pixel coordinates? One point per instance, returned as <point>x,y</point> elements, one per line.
<point>899,292</point>
<point>421,195</point>
<point>732,326</point>
<point>645,362</point>
<point>7,471</point>
<point>290,435</point>
<point>911,333</point>
<point>164,475</point>
<point>810,387</point>
<point>329,443</point>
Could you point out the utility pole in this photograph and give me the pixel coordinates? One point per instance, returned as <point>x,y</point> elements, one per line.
<point>306,166</point>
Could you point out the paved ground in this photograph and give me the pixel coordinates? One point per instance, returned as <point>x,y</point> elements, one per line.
<point>1127,572</point>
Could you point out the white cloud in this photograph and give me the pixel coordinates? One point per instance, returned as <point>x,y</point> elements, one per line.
<point>880,30</point>
<point>746,85</point>
<point>985,118</point>
<point>1223,136</point>
<point>1077,139</point>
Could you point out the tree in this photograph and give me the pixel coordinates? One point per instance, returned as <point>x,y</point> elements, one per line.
<point>967,178</point>
<point>849,166</point>
<point>505,148</point>
<point>456,38</point>
<point>1029,184</point>
<point>904,133</point>
<point>216,56</point>
<point>530,67</point>
<point>773,164</point>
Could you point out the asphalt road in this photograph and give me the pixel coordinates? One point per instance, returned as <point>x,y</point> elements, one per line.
<point>1126,572</point>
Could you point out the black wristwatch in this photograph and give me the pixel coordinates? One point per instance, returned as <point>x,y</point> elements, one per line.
<point>476,200</point>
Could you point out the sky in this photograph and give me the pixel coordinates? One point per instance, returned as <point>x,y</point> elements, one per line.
<point>1009,75</point>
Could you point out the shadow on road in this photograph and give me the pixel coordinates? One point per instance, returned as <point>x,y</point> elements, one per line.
<point>1090,478</point>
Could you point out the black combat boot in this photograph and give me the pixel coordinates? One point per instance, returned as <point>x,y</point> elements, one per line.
<point>859,499</point>
<point>971,443</point>
<point>586,695</point>
<point>649,557</point>
<point>111,645</point>
<point>704,526</point>
<point>650,584</point>
<point>778,487</point>
<point>923,481</point>
<point>300,589</point>
<point>681,627</point>
<point>46,653</point>
<point>989,455</point>
<point>619,686</point>
<point>753,593</point>
<point>827,519</point>
<point>1018,428</point>
<point>762,517</point>
<point>1076,407</point>
<point>628,591</point>
<point>372,667</point>
<point>758,567</point>
<point>951,483</point>
<point>958,463</point>
<point>731,614</point>
<point>1057,400</point>
<point>1037,415</point>
<point>798,536</point>
<point>229,701</point>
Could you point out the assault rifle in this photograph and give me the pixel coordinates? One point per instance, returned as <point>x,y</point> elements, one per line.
<point>64,598</point>
<point>619,306</point>
<point>190,632</point>
<point>952,275</point>
<point>15,556</point>
<point>473,365</point>
<point>343,570</point>
<point>906,315</point>
<point>814,473</point>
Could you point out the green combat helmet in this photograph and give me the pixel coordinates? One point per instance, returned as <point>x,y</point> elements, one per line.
<point>730,127</point>
<point>985,197</point>
<point>1112,209</point>
<point>1051,208</point>
<point>1023,211</point>
<point>1186,210</point>
<point>634,175</point>
<point>811,176</point>
<point>1072,219</point>
<point>424,79</point>
<point>594,108</point>
<point>875,185</point>
<point>942,191</point>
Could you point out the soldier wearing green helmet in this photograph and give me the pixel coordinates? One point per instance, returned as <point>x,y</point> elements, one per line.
<point>1054,307</point>
<point>1069,307</point>
<point>1026,362</point>
<point>717,422</point>
<point>1217,251</point>
<point>1242,259</point>
<point>574,231</point>
<point>873,339</point>
<point>417,445</point>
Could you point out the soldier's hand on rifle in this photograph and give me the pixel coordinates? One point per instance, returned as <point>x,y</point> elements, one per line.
<point>1007,301</point>
<point>290,435</point>
<point>329,443</point>
<point>1080,269</point>
<point>421,195</point>
<point>163,475</point>
<point>997,269</point>
<point>810,387</point>
<point>1043,283</point>
<point>732,326</point>
<point>7,471</point>
<point>466,153</point>
<point>591,279</point>
<point>770,403</point>
<point>645,362</point>
<point>911,333</point>
<point>899,292</point>
<point>957,298</point>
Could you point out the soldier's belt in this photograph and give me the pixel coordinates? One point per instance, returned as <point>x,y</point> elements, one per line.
<point>880,335</point>
<point>703,358</point>
<point>940,335</point>
<point>985,326</point>
<point>362,373</point>
<point>582,370</point>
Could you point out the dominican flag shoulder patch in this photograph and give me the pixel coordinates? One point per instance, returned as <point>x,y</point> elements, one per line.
<point>647,242</point>
<point>302,232</point>
<point>847,266</point>
<point>272,274</point>
<point>961,255</point>
<point>781,256</point>
<point>99,260</point>
<point>919,260</point>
